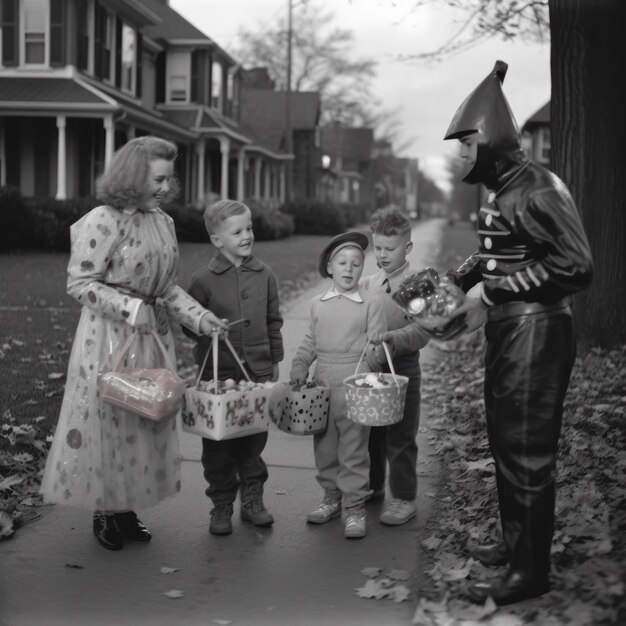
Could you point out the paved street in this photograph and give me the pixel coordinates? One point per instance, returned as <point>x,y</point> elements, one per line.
<point>53,573</point>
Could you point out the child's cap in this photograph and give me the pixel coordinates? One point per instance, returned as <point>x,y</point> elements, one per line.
<point>351,238</point>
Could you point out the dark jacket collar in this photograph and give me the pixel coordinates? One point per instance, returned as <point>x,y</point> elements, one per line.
<point>219,263</point>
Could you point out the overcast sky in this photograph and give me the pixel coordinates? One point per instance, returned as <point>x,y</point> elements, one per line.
<point>386,30</point>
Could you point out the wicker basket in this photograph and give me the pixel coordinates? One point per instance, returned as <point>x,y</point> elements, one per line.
<point>305,411</point>
<point>372,406</point>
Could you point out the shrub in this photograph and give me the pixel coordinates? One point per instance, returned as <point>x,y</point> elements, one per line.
<point>312,217</point>
<point>269,224</point>
<point>189,223</point>
<point>13,226</point>
<point>354,214</point>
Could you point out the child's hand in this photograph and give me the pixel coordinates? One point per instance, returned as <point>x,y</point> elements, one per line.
<point>377,338</point>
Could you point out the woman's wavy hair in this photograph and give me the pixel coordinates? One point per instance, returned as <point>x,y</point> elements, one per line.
<point>124,181</point>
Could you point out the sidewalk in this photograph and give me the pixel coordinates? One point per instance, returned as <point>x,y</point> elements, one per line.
<point>53,572</point>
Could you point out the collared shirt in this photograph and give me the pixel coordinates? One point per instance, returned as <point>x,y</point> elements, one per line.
<point>333,292</point>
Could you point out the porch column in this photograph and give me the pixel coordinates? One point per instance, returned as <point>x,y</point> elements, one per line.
<point>241,170</point>
<point>283,180</point>
<point>225,150</point>
<point>257,177</point>
<point>200,168</point>
<point>109,141</point>
<point>3,156</point>
<point>268,181</point>
<point>61,159</point>
<point>130,133</point>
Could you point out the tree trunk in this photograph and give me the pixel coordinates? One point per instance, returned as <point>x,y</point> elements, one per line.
<point>588,113</point>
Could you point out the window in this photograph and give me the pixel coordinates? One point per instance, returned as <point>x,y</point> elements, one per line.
<point>129,57</point>
<point>178,67</point>
<point>104,43</point>
<point>216,86</point>
<point>545,144</point>
<point>35,32</point>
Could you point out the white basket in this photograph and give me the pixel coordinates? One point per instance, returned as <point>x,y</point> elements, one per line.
<point>233,413</point>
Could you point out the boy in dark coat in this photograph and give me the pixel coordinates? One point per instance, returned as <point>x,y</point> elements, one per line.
<point>238,286</point>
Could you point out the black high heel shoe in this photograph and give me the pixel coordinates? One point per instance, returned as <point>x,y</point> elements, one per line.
<point>107,532</point>
<point>132,527</point>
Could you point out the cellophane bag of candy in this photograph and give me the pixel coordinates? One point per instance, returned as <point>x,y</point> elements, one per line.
<point>432,298</point>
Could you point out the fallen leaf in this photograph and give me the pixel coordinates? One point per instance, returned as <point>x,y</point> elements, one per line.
<point>174,593</point>
<point>371,589</point>
<point>169,570</point>
<point>399,593</point>
<point>432,543</point>
<point>55,375</point>
<point>482,465</point>
<point>371,572</point>
<point>398,574</point>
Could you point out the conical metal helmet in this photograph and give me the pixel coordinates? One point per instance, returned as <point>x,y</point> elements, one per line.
<point>486,112</point>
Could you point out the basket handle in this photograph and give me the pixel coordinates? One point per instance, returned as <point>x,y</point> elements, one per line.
<point>214,352</point>
<point>387,355</point>
<point>129,341</point>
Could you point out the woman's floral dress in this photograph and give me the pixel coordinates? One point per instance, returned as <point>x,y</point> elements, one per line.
<point>102,457</point>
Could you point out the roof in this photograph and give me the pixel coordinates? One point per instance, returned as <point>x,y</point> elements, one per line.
<point>539,118</point>
<point>46,91</point>
<point>352,144</point>
<point>263,112</point>
<point>175,28</point>
<point>65,95</point>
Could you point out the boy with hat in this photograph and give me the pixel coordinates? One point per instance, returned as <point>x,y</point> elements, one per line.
<point>342,321</point>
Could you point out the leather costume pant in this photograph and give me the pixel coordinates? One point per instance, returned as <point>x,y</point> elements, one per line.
<point>528,363</point>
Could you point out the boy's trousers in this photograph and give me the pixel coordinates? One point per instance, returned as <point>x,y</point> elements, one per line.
<point>341,455</point>
<point>234,464</point>
<point>397,443</point>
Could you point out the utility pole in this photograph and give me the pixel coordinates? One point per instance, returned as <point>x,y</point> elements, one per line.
<point>288,129</point>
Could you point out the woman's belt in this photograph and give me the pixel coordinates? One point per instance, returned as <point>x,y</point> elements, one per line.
<point>516,308</point>
<point>151,300</point>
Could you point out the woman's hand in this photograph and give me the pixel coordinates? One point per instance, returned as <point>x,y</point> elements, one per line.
<point>210,322</point>
<point>142,321</point>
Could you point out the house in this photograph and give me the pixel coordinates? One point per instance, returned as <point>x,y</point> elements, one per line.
<point>347,161</point>
<point>536,136</point>
<point>264,117</point>
<point>78,78</point>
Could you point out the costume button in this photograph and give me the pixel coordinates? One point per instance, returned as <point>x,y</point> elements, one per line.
<point>244,296</point>
<point>491,264</point>
<point>488,243</point>
<point>491,197</point>
<point>488,220</point>
<point>247,323</point>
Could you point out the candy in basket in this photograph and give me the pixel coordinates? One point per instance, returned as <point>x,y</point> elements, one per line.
<point>227,409</point>
<point>433,299</point>
<point>305,410</point>
<point>376,399</point>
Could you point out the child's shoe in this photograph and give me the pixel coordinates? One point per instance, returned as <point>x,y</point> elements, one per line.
<point>354,525</point>
<point>107,532</point>
<point>254,511</point>
<point>397,512</point>
<point>221,523</point>
<point>329,508</point>
<point>132,527</point>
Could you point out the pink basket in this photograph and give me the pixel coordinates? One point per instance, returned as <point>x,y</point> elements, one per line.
<point>153,393</point>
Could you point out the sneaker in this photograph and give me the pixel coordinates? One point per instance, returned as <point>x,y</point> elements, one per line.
<point>254,511</point>
<point>354,526</point>
<point>221,523</point>
<point>397,512</point>
<point>324,512</point>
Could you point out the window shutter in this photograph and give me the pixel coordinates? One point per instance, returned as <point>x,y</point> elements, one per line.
<point>10,30</point>
<point>159,68</point>
<point>82,37</point>
<point>100,17</point>
<point>194,93</point>
<point>139,65</point>
<point>118,52</point>
<point>57,32</point>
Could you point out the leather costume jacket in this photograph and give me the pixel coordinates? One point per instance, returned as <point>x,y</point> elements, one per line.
<point>532,244</point>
